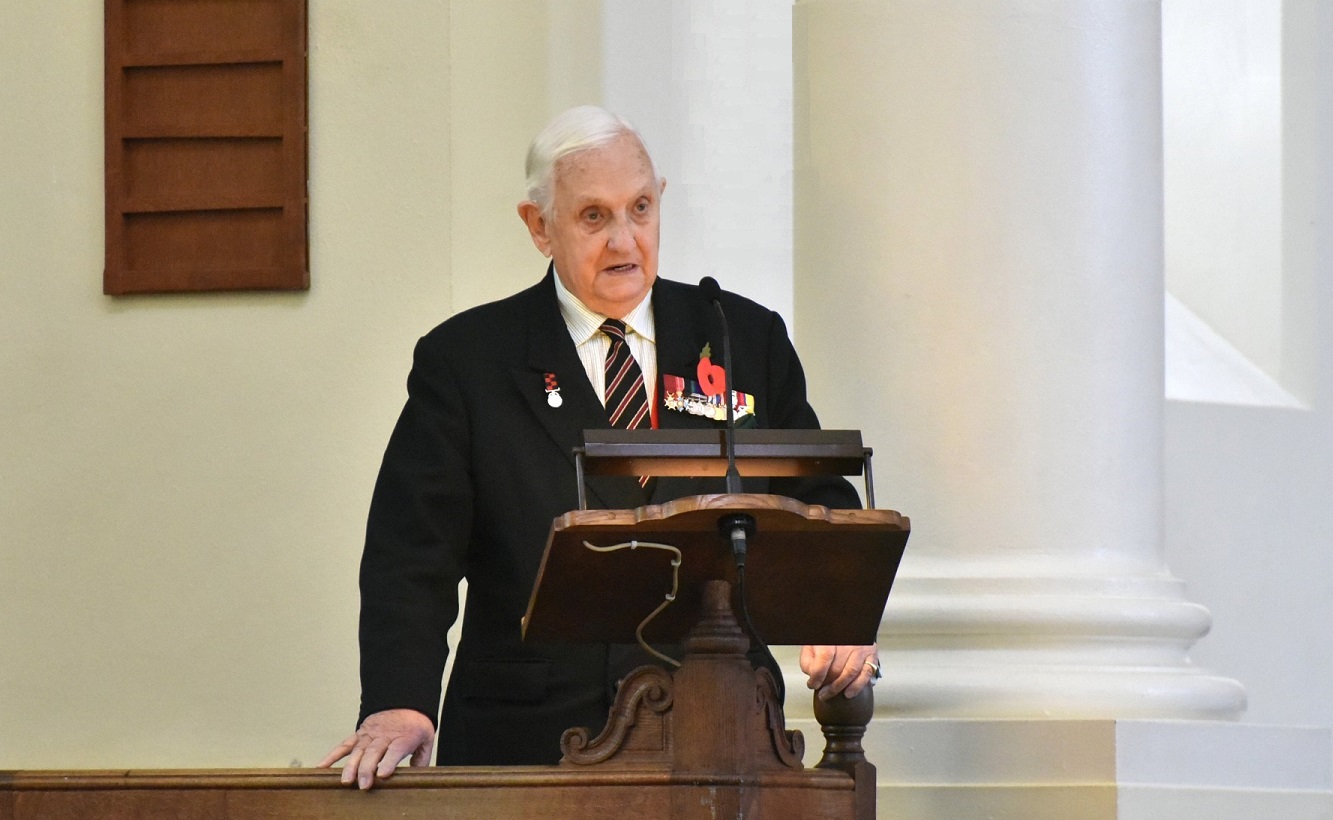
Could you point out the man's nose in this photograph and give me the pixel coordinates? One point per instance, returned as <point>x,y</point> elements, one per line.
<point>621,236</point>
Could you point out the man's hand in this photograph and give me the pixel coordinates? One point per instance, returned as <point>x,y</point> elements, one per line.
<point>383,740</point>
<point>834,669</point>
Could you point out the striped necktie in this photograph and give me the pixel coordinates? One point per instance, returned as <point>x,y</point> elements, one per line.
<point>626,395</point>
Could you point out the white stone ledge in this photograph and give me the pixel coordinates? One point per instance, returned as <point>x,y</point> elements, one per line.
<point>1090,769</point>
<point>1049,690</point>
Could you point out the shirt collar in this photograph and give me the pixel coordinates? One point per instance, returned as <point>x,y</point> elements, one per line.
<point>584,323</point>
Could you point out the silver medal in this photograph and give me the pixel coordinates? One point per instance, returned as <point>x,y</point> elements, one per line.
<point>553,398</point>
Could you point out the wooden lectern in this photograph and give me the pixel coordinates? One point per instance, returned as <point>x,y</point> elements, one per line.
<point>666,574</point>
<point>708,741</point>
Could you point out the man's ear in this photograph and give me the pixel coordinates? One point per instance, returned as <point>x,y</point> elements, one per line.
<point>661,186</point>
<point>531,214</point>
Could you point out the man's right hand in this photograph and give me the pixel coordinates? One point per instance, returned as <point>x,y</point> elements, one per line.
<point>383,740</point>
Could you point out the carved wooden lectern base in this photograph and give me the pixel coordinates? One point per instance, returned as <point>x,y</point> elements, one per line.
<point>716,714</point>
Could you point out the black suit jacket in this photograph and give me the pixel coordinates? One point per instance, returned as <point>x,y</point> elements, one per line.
<point>478,466</point>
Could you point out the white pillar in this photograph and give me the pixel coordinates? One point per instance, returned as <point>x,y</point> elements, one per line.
<point>978,256</point>
<point>709,85</point>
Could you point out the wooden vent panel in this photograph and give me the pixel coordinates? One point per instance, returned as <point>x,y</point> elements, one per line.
<point>205,145</point>
<point>237,100</point>
<point>164,27</point>
<point>195,174</point>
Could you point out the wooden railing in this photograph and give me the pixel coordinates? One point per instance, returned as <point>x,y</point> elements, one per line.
<point>841,786</point>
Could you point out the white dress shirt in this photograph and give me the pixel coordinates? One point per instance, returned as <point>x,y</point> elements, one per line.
<point>593,345</point>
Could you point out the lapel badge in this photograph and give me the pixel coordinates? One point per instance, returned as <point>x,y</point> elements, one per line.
<point>553,391</point>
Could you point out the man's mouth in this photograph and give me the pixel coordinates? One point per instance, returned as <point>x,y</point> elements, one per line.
<point>625,268</point>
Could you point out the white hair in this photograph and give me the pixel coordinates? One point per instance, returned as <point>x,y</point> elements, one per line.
<point>577,129</point>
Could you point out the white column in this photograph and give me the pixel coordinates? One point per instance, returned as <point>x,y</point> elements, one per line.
<point>978,256</point>
<point>709,84</point>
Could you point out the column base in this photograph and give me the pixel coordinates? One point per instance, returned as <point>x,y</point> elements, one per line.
<point>1098,769</point>
<point>982,643</point>
<point>1075,692</point>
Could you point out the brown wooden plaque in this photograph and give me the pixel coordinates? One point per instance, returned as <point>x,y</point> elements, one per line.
<point>205,146</point>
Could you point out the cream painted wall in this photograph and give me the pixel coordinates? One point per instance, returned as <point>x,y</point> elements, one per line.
<point>183,480</point>
<point>503,93</point>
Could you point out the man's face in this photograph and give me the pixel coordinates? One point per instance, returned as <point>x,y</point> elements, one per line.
<point>602,231</point>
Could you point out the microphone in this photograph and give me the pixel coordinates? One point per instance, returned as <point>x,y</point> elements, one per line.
<point>712,290</point>
<point>738,528</point>
<point>735,528</point>
<point>713,293</point>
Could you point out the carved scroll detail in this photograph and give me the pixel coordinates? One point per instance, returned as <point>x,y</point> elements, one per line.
<point>638,730</point>
<point>789,746</point>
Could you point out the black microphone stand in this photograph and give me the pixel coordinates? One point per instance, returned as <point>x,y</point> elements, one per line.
<point>738,528</point>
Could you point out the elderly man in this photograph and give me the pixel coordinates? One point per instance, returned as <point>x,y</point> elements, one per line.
<point>480,462</point>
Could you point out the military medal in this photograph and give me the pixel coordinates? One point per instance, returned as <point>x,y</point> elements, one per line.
<point>553,391</point>
<point>688,396</point>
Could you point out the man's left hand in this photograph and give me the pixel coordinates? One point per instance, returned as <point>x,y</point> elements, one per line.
<point>839,669</point>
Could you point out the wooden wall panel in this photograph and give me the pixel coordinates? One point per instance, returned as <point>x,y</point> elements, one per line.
<point>164,27</point>
<point>206,240</point>
<point>205,145</point>
<point>237,100</point>
<point>191,174</point>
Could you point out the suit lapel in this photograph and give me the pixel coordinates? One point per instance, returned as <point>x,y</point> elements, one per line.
<point>551,350</point>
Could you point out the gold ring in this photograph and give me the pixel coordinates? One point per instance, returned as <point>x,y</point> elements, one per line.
<point>874,670</point>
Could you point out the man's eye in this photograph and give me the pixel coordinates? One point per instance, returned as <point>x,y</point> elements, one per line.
<point>592,216</point>
<point>642,206</point>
